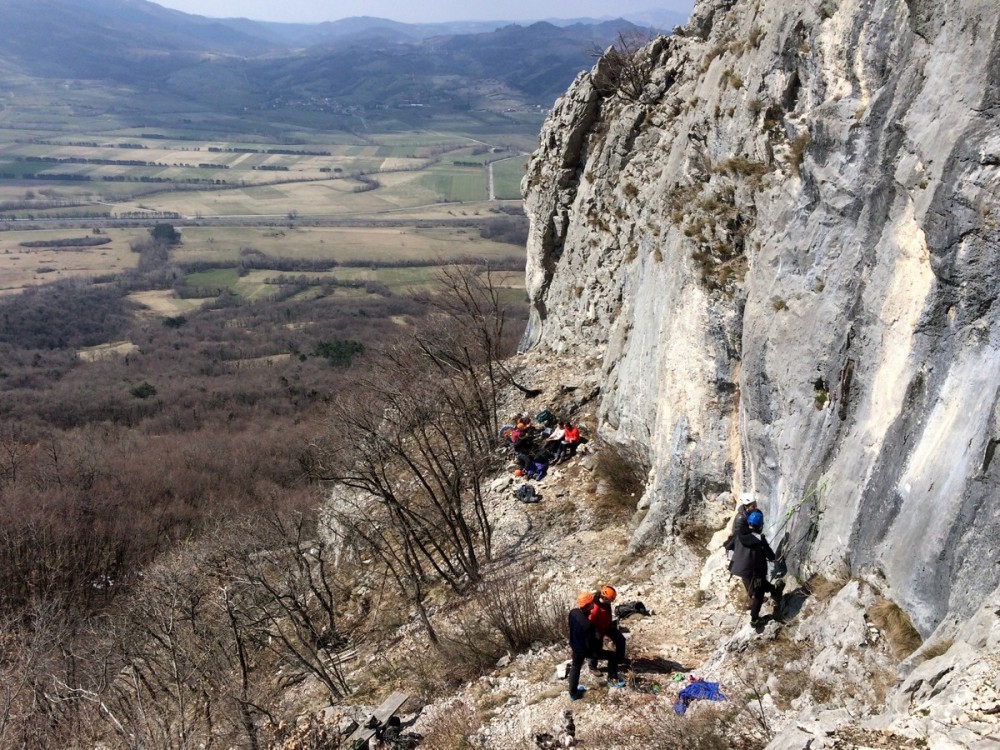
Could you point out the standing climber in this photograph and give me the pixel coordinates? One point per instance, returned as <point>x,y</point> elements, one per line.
<point>582,641</point>
<point>751,553</point>
<point>747,504</point>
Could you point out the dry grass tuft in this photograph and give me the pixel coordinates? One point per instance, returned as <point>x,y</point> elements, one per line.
<point>520,620</point>
<point>470,648</point>
<point>452,729</point>
<point>621,480</point>
<point>477,636</point>
<point>797,151</point>
<point>823,691</point>
<point>896,626</point>
<point>882,681</point>
<point>935,649</point>
<point>422,678</point>
<point>697,535</point>
<point>822,588</point>
<point>643,725</point>
<point>472,641</point>
<point>784,656</point>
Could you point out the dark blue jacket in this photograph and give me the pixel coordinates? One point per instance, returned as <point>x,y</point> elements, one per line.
<point>583,638</point>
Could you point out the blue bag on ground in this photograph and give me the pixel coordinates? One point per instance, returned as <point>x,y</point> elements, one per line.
<point>698,690</point>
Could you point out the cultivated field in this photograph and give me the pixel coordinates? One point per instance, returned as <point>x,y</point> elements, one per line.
<point>26,266</point>
<point>340,244</point>
<point>507,176</point>
<point>289,197</point>
<point>115,175</point>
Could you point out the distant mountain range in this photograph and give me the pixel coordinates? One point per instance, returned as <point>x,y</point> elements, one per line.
<point>352,63</point>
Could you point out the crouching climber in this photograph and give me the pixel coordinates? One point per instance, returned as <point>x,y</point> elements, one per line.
<point>586,642</point>
<point>751,553</point>
<point>607,627</point>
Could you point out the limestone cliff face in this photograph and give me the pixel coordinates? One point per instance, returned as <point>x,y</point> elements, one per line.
<point>782,246</point>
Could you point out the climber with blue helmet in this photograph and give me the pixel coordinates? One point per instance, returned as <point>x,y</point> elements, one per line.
<point>751,553</point>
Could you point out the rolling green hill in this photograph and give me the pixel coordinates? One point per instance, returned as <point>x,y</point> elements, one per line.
<point>361,66</point>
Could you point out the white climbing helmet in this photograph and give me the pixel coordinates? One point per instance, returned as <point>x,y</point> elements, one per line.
<point>747,498</point>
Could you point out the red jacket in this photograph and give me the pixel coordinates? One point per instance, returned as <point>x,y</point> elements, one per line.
<point>600,616</point>
<point>572,434</point>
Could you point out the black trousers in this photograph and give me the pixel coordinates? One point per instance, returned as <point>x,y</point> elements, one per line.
<point>617,639</point>
<point>757,587</point>
<point>579,658</point>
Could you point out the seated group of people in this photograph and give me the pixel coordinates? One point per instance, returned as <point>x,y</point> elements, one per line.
<point>536,447</point>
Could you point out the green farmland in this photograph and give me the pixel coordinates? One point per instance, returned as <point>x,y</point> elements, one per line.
<point>309,196</point>
<point>507,176</point>
<point>121,174</point>
<point>339,244</point>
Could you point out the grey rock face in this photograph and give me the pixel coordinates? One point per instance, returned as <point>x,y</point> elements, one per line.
<point>950,700</point>
<point>955,697</point>
<point>784,248</point>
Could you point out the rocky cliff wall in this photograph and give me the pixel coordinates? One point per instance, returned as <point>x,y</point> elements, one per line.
<point>777,231</point>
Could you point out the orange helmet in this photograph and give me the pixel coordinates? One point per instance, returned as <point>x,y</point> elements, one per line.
<point>517,472</point>
<point>609,593</point>
<point>584,598</point>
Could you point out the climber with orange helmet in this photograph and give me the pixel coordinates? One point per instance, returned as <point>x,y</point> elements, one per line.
<point>606,626</point>
<point>600,614</point>
<point>582,641</point>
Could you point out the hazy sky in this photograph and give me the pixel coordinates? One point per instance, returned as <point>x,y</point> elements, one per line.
<point>415,11</point>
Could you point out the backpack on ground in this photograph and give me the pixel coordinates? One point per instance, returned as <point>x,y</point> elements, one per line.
<point>526,494</point>
<point>627,609</point>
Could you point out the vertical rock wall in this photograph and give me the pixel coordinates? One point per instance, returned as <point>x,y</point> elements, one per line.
<point>783,250</point>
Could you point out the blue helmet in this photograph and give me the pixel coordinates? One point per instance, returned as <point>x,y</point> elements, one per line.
<point>755,519</point>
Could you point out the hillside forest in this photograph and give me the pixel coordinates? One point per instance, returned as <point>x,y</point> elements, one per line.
<point>139,484</point>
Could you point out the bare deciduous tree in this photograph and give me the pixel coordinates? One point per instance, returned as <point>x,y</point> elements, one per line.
<point>29,650</point>
<point>14,451</point>
<point>623,68</point>
<point>416,443</point>
<point>282,593</point>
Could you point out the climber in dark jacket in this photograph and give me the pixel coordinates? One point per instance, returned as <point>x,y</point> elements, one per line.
<point>751,553</point>
<point>747,505</point>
